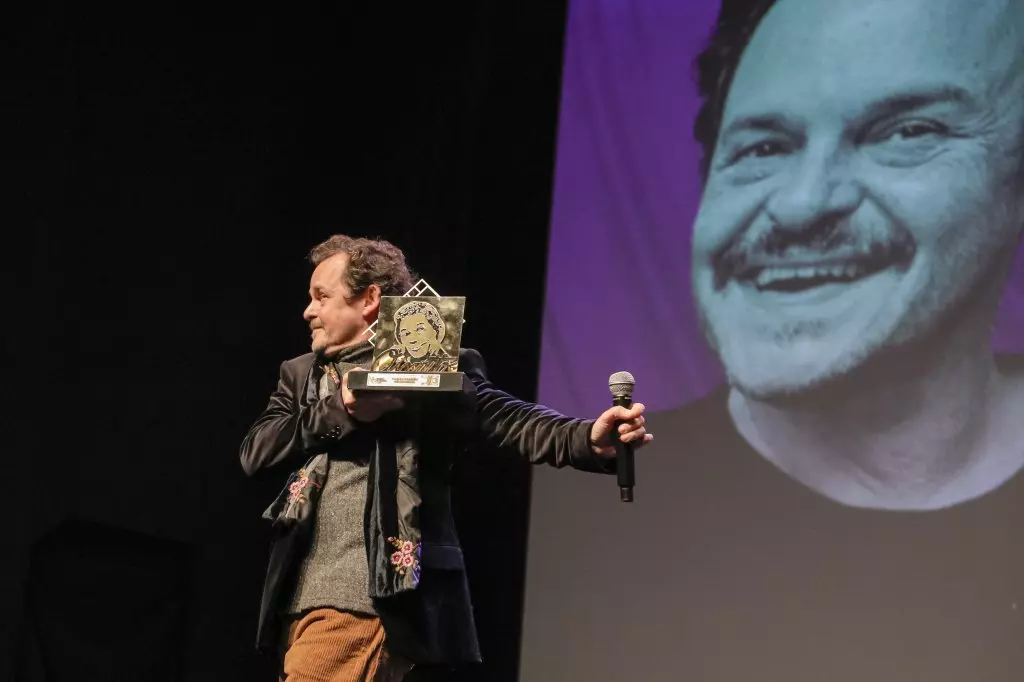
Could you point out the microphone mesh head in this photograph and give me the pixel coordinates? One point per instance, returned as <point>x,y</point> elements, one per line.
<point>621,383</point>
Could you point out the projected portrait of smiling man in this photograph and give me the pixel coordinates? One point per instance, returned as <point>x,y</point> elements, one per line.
<point>862,205</point>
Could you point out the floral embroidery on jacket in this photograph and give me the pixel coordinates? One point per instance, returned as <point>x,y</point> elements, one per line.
<point>297,488</point>
<point>407,558</point>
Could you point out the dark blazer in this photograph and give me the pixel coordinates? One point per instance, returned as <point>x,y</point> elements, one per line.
<point>434,622</point>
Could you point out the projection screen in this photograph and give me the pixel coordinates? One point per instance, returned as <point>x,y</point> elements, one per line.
<point>796,223</point>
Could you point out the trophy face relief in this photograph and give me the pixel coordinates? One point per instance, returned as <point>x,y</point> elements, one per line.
<point>417,335</point>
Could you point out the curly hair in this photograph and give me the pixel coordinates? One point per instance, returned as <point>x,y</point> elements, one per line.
<point>716,66</point>
<point>420,307</point>
<point>371,261</point>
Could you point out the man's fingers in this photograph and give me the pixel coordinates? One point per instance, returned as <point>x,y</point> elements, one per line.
<point>632,425</point>
<point>348,399</point>
<point>368,406</point>
<point>630,413</point>
<point>637,438</point>
<point>627,423</point>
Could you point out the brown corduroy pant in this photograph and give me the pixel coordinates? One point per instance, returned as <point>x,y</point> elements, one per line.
<point>327,645</point>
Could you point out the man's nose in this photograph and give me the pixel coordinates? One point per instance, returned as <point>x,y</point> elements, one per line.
<point>308,313</point>
<point>818,191</point>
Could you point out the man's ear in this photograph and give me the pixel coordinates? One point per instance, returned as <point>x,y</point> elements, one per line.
<point>371,303</point>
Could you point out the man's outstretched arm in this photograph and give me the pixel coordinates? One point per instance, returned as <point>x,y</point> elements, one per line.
<point>544,436</point>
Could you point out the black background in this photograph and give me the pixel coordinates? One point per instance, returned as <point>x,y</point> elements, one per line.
<point>172,168</point>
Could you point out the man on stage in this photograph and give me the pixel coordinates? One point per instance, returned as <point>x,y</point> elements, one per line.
<point>366,578</point>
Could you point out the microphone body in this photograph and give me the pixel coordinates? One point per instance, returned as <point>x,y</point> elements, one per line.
<point>621,386</point>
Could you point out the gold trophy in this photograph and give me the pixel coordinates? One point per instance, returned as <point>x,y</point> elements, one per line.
<point>416,344</point>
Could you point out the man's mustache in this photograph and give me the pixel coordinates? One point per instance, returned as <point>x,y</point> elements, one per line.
<point>838,242</point>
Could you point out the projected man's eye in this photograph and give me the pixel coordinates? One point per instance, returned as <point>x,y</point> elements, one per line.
<point>762,150</point>
<point>744,161</point>
<point>907,131</point>
<point>908,143</point>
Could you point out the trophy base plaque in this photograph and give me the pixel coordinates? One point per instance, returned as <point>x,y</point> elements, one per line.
<point>431,382</point>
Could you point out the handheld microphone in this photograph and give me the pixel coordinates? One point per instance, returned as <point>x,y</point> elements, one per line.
<point>621,385</point>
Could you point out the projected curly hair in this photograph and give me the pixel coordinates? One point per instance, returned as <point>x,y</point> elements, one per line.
<point>371,261</point>
<point>716,65</point>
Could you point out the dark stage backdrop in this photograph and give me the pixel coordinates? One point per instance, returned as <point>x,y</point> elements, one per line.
<point>175,167</point>
<point>853,255</point>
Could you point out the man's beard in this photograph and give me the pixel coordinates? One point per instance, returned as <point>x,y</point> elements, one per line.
<point>921,331</point>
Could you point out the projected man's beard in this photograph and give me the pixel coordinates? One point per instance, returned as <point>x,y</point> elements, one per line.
<point>789,314</point>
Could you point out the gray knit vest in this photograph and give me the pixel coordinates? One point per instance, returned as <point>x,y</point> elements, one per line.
<point>333,572</point>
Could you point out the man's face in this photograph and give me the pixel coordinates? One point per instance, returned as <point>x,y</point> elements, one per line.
<point>336,317</point>
<point>417,335</point>
<point>866,183</point>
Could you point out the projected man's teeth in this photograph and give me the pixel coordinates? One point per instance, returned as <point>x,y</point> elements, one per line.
<point>806,277</point>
